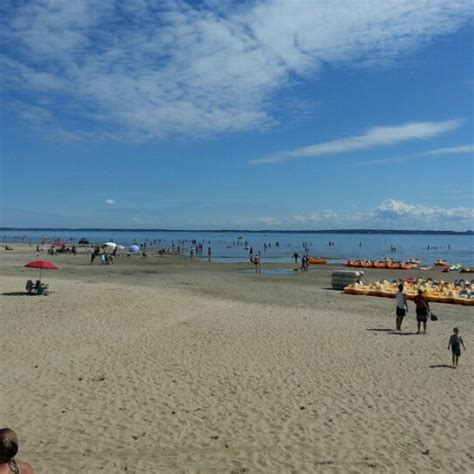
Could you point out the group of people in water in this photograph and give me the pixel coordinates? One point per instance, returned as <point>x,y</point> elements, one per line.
<point>423,313</point>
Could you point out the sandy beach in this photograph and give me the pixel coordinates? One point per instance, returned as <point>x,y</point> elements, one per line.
<point>163,364</point>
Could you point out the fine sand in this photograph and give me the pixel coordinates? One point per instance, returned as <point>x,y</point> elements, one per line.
<point>162,364</point>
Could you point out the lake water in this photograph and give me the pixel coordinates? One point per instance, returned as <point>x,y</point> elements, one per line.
<point>230,247</point>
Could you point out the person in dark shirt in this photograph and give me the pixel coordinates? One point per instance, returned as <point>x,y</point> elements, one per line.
<point>455,343</point>
<point>422,310</point>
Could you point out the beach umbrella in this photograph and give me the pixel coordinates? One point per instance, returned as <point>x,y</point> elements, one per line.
<point>109,244</point>
<point>59,244</point>
<point>134,249</point>
<point>42,265</point>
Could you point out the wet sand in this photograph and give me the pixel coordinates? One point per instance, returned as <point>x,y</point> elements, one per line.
<point>162,364</point>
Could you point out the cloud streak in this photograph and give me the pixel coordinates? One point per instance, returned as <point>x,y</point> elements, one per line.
<point>455,150</point>
<point>143,69</point>
<point>372,138</point>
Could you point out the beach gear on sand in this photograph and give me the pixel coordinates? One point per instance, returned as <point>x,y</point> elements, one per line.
<point>42,265</point>
<point>340,279</point>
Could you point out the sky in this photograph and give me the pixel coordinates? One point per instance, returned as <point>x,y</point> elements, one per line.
<point>217,114</point>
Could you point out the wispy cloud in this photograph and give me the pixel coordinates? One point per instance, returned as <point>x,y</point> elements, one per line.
<point>109,201</point>
<point>140,69</point>
<point>455,150</point>
<point>372,138</point>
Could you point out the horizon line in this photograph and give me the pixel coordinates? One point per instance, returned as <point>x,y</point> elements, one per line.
<point>275,231</point>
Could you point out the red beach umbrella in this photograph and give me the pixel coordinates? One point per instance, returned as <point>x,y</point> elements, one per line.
<point>59,244</point>
<point>42,265</point>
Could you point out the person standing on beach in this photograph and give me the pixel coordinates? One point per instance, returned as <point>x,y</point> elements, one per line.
<point>402,307</point>
<point>455,343</point>
<point>209,253</point>
<point>257,263</point>
<point>296,256</point>
<point>422,310</point>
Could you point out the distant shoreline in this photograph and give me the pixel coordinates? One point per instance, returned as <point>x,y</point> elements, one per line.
<point>247,231</point>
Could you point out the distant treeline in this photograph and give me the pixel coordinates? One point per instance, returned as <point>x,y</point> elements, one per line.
<point>247,231</point>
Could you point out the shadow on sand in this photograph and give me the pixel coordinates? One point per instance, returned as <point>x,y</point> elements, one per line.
<point>380,329</point>
<point>18,293</point>
<point>441,366</point>
<point>400,333</point>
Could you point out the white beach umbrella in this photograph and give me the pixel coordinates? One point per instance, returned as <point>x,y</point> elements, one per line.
<point>134,249</point>
<point>109,244</point>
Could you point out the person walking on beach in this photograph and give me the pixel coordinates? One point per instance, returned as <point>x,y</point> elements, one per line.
<point>296,256</point>
<point>402,307</point>
<point>455,343</point>
<point>422,310</point>
<point>8,451</point>
<point>209,253</point>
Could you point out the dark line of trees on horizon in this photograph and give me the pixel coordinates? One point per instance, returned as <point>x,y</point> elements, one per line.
<point>268,231</point>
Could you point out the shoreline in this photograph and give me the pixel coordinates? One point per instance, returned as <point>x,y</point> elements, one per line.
<point>246,231</point>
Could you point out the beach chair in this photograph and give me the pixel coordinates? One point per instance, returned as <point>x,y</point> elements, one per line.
<point>37,288</point>
<point>42,289</point>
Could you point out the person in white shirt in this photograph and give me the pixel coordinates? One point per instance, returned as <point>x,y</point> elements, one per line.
<point>402,307</point>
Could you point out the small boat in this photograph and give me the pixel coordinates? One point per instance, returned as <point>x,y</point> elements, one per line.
<point>317,260</point>
<point>441,263</point>
<point>463,300</point>
<point>356,290</point>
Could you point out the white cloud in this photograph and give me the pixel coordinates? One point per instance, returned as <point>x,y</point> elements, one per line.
<point>390,213</point>
<point>373,137</point>
<point>109,201</point>
<point>455,150</point>
<point>392,209</point>
<point>315,217</point>
<point>141,69</point>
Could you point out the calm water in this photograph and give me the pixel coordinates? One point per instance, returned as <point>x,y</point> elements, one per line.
<point>228,247</point>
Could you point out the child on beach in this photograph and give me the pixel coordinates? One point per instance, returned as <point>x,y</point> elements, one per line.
<point>455,343</point>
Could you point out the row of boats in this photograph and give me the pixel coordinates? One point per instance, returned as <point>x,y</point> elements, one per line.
<point>386,263</point>
<point>406,265</point>
<point>459,292</point>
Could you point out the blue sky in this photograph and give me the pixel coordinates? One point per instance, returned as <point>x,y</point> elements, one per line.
<point>218,114</point>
